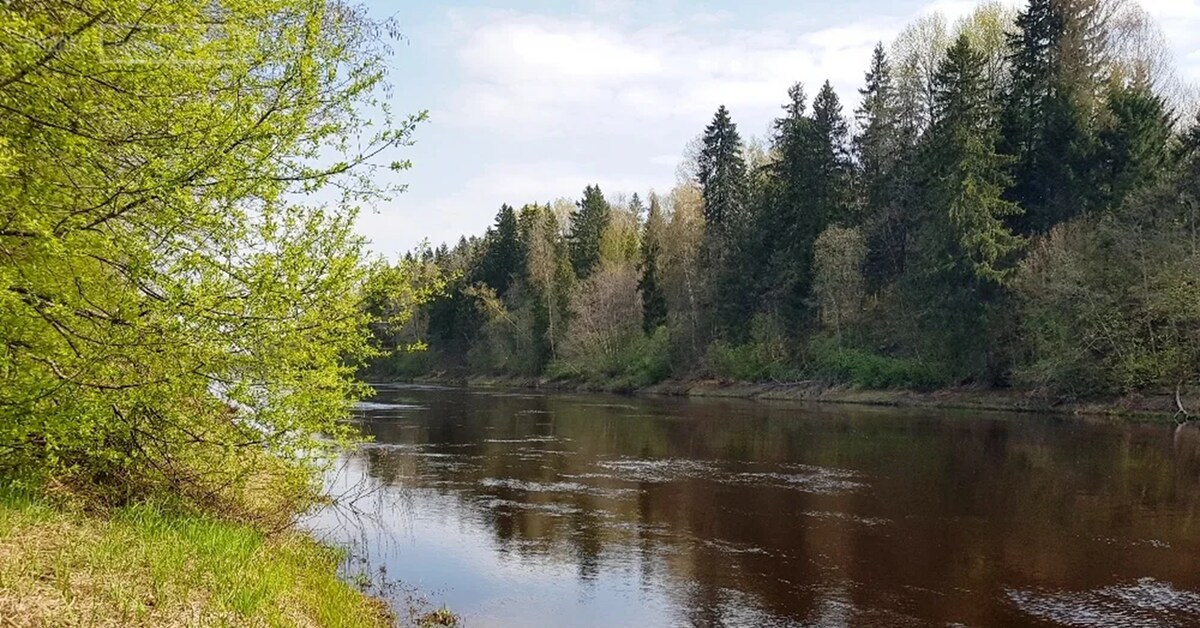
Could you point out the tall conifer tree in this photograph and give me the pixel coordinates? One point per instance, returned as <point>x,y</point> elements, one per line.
<point>504,258</point>
<point>654,300</point>
<point>721,170</point>
<point>880,148</point>
<point>1134,143</point>
<point>967,174</point>
<point>587,230</point>
<point>829,170</point>
<point>1045,127</point>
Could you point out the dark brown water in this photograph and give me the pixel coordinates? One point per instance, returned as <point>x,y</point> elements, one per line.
<point>559,510</point>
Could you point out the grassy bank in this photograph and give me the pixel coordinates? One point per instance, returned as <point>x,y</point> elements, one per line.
<point>153,566</point>
<point>1143,407</point>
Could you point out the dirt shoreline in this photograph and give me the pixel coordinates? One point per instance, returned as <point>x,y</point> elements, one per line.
<point>1159,406</point>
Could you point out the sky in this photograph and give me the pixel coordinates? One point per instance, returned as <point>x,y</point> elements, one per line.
<point>531,101</point>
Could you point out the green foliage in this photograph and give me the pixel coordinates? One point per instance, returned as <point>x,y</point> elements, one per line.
<point>170,314</point>
<point>640,361</point>
<point>1044,119</point>
<point>588,226</point>
<point>865,369</point>
<point>654,300</point>
<point>969,175</point>
<point>925,250</point>
<point>764,356</point>
<point>721,173</point>
<point>838,284</point>
<point>1107,308</point>
<point>504,258</point>
<point>1135,143</point>
<point>646,361</point>
<point>881,147</point>
<point>810,189</point>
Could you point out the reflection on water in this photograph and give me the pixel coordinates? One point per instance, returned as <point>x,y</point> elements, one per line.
<point>519,509</point>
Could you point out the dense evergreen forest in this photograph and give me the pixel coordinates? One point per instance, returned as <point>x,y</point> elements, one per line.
<point>1014,203</point>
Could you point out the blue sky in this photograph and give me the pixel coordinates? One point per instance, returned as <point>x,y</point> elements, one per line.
<point>531,101</point>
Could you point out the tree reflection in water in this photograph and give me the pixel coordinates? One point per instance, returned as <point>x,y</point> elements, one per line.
<point>529,509</point>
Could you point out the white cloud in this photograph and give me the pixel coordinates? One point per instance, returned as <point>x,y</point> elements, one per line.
<point>538,105</point>
<point>547,76</point>
<point>540,49</point>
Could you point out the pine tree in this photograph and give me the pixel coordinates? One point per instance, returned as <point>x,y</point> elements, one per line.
<point>587,230</point>
<point>654,300</point>
<point>721,172</point>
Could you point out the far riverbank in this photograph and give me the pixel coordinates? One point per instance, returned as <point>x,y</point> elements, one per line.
<point>1153,407</point>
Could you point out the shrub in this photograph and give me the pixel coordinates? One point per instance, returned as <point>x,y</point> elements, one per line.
<point>764,357</point>
<point>647,361</point>
<point>869,370</point>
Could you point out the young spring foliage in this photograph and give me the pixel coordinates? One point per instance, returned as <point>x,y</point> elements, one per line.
<point>173,316</point>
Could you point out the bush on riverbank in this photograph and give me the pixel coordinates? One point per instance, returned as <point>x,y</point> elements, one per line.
<point>641,361</point>
<point>864,369</point>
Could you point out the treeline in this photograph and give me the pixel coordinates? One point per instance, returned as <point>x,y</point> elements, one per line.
<point>1015,202</point>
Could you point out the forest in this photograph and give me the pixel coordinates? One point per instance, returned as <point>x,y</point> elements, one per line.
<point>1013,203</point>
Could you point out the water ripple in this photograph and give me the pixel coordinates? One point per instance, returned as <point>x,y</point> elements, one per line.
<point>1148,602</point>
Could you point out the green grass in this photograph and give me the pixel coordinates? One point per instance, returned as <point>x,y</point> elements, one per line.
<point>153,566</point>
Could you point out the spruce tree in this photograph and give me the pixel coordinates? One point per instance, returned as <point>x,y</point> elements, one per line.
<point>721,173</point>
<point>963,250</point>
<point>782,218</point>
<point>654,300</point>
<point>504,259</point>
<point>1135,143</point>
<point>877,145</point>
<point>809,191</point>
<point>830,166</point>
<point>636,207</point>
<point>1045,125</point>
<point>587,230</point>
<point>969,176</point>
<point>880,148</point>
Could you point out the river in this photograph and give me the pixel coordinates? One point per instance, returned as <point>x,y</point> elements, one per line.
<point>529,509</point>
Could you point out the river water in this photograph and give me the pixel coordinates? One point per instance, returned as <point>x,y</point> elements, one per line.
<point>529,509</point>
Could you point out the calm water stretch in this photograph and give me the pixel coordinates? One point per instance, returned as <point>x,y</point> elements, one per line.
<point>518,509</point>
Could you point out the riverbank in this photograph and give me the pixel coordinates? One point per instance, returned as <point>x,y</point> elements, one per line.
<point>1145,407</point>
<point>147,566</point>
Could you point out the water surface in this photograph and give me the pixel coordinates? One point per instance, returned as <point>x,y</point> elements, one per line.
<point>524,509</point>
